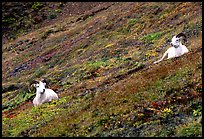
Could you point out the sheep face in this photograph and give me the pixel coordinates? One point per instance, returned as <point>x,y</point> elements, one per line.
<point>40,87</point>
<point>175,41</point>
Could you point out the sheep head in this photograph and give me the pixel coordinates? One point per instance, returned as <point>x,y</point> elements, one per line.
<point>39,85</point>
<point>175,41</point>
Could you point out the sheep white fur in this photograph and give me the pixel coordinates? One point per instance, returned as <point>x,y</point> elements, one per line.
<point>177,49</point>
<point>43,94</point>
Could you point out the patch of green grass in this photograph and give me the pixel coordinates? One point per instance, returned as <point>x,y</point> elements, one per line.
<point>90,16</point>
<point>39,72</point>
<point>124,30</point>
<point>52,16</point>
<point>102,121</point>
<point>154,6</point>
<point>36,5</point>
<point>94,65</point>
<point>190,130</point>
<point>18,99</point>
<point>196,109</point>
<point>166,132</point>
<point>9,20</point>
<point>132,22</point>
<point>151,37</point>
<point>58,10</point>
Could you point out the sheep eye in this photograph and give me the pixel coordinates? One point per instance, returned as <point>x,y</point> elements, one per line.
<point>37,85</point>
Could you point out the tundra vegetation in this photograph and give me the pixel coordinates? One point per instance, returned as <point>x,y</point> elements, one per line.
<point>98,59</point>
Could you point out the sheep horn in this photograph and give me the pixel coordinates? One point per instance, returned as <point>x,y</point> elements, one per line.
<point>33,82</point>
<point>31,85</point>
<point>180,35</point>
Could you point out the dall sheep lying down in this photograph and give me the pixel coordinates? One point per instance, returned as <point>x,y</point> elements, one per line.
<point>43,94</point>
<point>177,48</point>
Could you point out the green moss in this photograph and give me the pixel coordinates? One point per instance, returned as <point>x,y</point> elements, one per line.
<point>190,130</point>
<point>196,109</point>
<point>166,132</point>
<point>9,20</point>
<point>125,30</point>
<point>37,5</point>
<point>151,37</point>
<point>102,121</point>
<point>97,64</point>
<point>39,72</point>
<point>58,10</point>
<point>52,16</point>
<point>18,99</point>
<point>132,22</point>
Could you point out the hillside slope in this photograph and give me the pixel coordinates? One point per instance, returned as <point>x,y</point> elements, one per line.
<point>99,61</point>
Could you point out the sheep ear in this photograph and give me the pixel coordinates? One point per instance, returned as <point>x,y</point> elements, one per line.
<point>44,81</point>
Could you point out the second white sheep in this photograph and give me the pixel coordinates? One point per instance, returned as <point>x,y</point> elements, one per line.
<point>43,94</point>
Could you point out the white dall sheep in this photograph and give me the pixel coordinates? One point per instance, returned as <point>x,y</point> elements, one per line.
<point>43,94</point>
<point>177,49</point>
